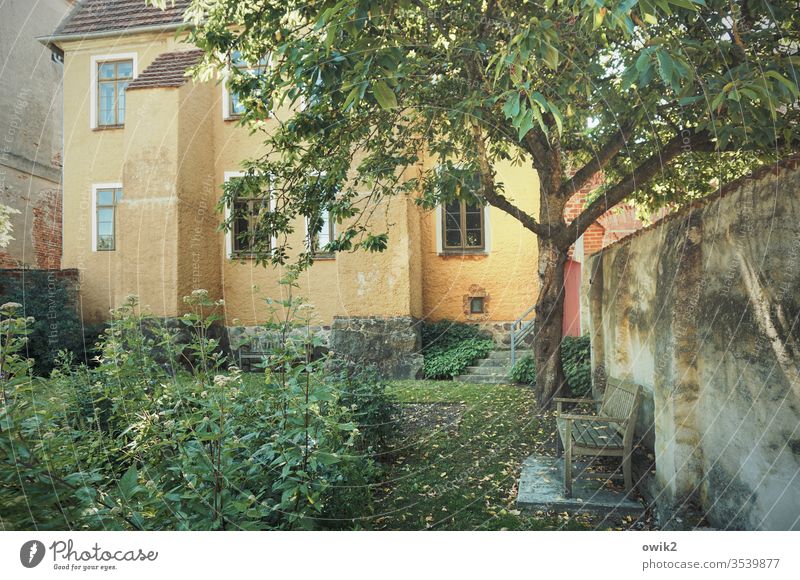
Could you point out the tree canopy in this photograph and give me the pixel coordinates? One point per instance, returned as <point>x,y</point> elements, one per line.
<point>667,98</point>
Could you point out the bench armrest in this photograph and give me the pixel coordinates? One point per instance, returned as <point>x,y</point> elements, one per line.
<point>595,418</point>
<point>563,400</point>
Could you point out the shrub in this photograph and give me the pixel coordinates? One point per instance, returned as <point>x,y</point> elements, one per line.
<point>575,360</point>
<point>447,334</point>
<point>363,392</point>
<point>450,347</point>
<point>141,441</point>
<point>449,363</point>
<point>524,370</point>
<point>57,326</point>
<point>577,363</point>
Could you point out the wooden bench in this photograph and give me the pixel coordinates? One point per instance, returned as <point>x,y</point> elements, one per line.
<point>253,351</point>
<point>608,433</point>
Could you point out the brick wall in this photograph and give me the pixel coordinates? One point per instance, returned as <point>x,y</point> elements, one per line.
<point>613,225</point>
<point>46,235</point>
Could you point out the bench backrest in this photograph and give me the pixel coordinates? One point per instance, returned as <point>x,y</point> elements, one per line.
<point>621,399</point>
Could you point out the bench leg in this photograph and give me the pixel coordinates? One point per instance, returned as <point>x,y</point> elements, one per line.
<point>626,471</point>
<point>567,470</point>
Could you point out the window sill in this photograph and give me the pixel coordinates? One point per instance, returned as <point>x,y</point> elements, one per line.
<point>232,118</point>
<point>324,257</point>
<point>108,127</point>
<point>235,257</point>
<point>462,253</point>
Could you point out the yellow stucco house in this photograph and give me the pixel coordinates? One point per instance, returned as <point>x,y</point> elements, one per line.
<point>146,150</point>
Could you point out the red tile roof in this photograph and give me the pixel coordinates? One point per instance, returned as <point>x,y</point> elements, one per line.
<point>167,70</point>
<point>109,15</point>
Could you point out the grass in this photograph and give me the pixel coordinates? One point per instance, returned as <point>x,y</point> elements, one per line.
<point>457,461</point>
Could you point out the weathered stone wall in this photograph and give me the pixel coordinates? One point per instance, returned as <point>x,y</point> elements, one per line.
<point>392,344</point>
<point>702,310</point>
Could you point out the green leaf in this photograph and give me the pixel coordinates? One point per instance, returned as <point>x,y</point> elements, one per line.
<point>665,68</point>
<point>384,95</point>
<point>526,123</point>
<point>128,482</point>
<point>511,108</point>
<point>784,81</point>
<point>550,55</point>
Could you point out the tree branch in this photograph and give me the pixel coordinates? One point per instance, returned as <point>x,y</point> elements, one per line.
<point>490,194</point>
<point>600,160</point>
<point>648,169</point>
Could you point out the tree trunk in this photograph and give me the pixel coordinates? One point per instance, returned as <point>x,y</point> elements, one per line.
<point>548,329</point>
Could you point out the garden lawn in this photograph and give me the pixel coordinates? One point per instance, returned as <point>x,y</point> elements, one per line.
<point>456,462</point>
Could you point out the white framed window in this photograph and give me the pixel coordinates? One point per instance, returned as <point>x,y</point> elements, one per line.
<point>317,240</point>
<point>105,200</point>
<point>461,227</point>
<point>467,231</point>
<point>232,108</point>
<point>110,75</point>
<point>245,213</point>
<point>326,234</point>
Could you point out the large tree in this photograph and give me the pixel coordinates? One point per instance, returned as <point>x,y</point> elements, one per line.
<point>666,98</point>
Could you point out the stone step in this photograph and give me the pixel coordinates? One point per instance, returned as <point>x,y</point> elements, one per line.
<point>493,362</point>
<point>488,379</point>
<point>489,370</point>
<point>505,355</point>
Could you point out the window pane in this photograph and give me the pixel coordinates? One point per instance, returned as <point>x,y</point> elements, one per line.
<point>473,220</point>
<point>474,239</point>
<point>453,207</point>
<point>106,96</point>
<point>121,86</point>
<point>476,305</point>
<point>241,212</point>
<point>105,229</point>
<point>105,242</point>
<point>105,214</point>
<point>106,70</point>
<point>117,195</point>
<point>237,108</point>
<point>236,59</point>
<point>452,238</point>
<point>125,69</point>
<point>105,197</point>
<point>324,236</point>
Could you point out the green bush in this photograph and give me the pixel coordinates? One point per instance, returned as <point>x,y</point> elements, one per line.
<point>154,439</point>
<point>524,371</point>
<point>373,409</point>
<point>575,360</point>
<point>450,347</point>
<point>577,364</point>
<point>56,325</point>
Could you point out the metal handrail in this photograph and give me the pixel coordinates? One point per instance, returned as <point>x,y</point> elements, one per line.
<point>525,327</point>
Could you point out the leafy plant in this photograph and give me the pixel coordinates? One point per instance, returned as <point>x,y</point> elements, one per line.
<point>450,347</point>
<point>524,370</point>
<point>576,360</point>
<point>58,326</point>
<point>164,434</point>
<point>373,409</point>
